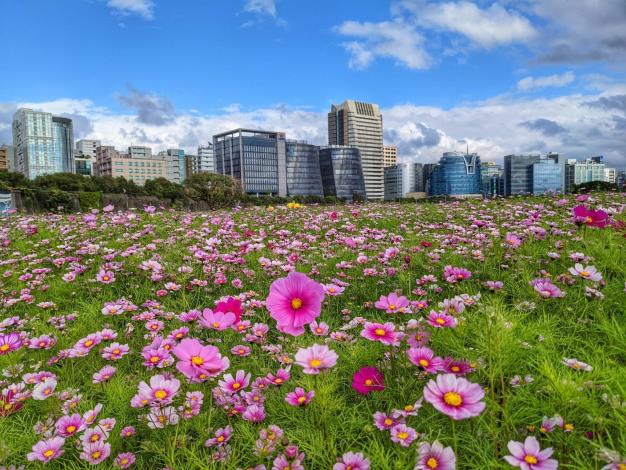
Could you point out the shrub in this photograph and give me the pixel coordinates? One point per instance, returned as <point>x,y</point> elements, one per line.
<point>89,200</point>
<point>216,190</point>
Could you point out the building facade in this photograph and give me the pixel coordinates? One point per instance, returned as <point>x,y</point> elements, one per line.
<point>403,180</point>
<point>341,171</point>
<point>591,169</point>
<point>175,164</point>
<point>547,177</point>
<point>6,158</point>
<point>610,175</point>
<point>87,148</point>
<point>491,179</point>
<point>457,175</point>
<point>204,161</point>
<point>256,158</point>
<point>303,169</point>
<point>390,155</point>
<point>521,177</point>
<point>110,162</point>
<point>360,125</point>
<point>43,143</point>
<point>84,165</point>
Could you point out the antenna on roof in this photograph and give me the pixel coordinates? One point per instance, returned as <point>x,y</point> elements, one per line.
<point>467,151</point>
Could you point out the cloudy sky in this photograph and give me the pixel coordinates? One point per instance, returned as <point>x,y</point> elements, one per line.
<point>499,77</point>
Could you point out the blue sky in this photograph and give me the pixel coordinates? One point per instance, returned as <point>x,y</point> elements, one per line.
<point>529,75</point>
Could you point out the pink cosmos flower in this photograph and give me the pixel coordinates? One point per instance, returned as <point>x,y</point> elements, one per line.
<point>435,457</point>
<point>281,376</point>
<point>456,367</point>
<point>511,240</point>
<point>299,397</point>
<point>217,320</point>
<point>47,450</point>
<point>385,333</point>
<point>582,215</point>
<point>546,289</point>
<point>294,301</point>
<point>240,350</point>
<point>403,434</point>
<point>222,436</point>
<point>529,456</point>
<point>10,342</point>
<point>453,274</point>
<point>235,384</point>
<point>352,461</point>
<point>254,413</point>
<point>333,290</point>
<point>44,389</point>
<point>67,426</point>
<point>124,460</point>
<point>198,362</point>
<point>455,396</point>
<point>425,359</point>
<point>316,358</point>
<point>392,303</point>
<point>160,392</point>
<point>105,277</point>
<point>589,272</point>
<point>158,418</point>
<point>577,365</point>
<point>230,305</point>
<point>115,351</point>
<point>127,431</point>
<point>385,422</point>
<point>441,320</point>
<point>96,453</point>
<point>319,329</point>
<point>41,342</point>
<point>368,379</point>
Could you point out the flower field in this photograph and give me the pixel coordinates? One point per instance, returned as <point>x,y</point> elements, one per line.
<point>469,335</point>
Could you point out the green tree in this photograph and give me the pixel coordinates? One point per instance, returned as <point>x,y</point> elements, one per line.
<point>216,190</point>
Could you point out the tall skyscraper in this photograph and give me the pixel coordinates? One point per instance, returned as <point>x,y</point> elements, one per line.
<point>390,155</point>
<point>342,173</point>
<point>255,158</point>
<point>204,161</point>
<point>360,125</point>
<point>43,143</point>
<point>87,147</point>
<point>534,174</point>
<point>303,169</point>
<point>457,174</point>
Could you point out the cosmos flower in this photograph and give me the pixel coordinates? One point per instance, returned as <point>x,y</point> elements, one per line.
<point>96,453</point>
<point>299,397</point>
<point>67,426</point>
<point>124,460</point>
<point>315,358</point>
<point>454,275</point>
<point>105,277</point>
<point>217,320</point>
<point>294,301</point>
<point>115,351</point>
<point>455,396</point>
<point>546,289</point>
<point>385,422</point>
<point>199,362</point>
<point>384,333</point>
<point>584,216</point>
<point>222,436</point>
<point>529,456</point>
<point>44,389</point>
<point>10,342</point>
<point>589,272</point>
<point>161,391</point>
<point>392,303</point>
<point>425,359</point>
<point>236,384</point>
<point>47,450</point>
<point>230,305</point>
<point>368,379</point>
<point>435,457</point>
<point>333,290</point>
<point>441,320</point>
<point>319,329</point>
<point>352,461</point>
<point>403,434</point>
<point>577,365</point>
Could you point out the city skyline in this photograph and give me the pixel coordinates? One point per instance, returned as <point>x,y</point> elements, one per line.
<point>500,89</point>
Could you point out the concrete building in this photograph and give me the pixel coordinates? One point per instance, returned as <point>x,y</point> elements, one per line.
<point>360,125</point>
<point>85,157</point>
<point>610,175</point>
<point>342,173</point>
<point>139,152</point>
<point>591,169</point>
<point>620,178</point>
<point>110,162</point>
<point>303,169</point>
<point>403,180</point>
<point>521,176</point>
<point>457,175</point>
<point>87,148</point>
<point>175,164</point>
<point>255,158</point>
<point>205,160</point>
<point>43,143</point>
<point>390,155</point>
<point>6,157</point>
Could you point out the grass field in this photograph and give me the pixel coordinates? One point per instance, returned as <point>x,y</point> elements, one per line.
<point>516,296</point>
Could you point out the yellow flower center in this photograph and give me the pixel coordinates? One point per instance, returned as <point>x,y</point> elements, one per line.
<point>105,278</point>
<point>220,439</point>
<point>403,435</point>
<point>88,343</point>
<point>236,385</point>
<point>388,421</point>
<point>278,380</point>
<point>215,324</point>
<point>160,394</point>
<point>408,408</point>
<point>4,347</point>
<point>432,463</point>
<point>124,461</point>
<point>621,466</point>
<point>569,427</point>
<point>584,273</point>
<point>42,344</point>
<point>48,453</point>
<point>96,454</point>
<point>440,321</point>
<point>70,429</point>
<point>315,363</point>
<point>301,400</point>
<point>318,330</point>
<point>455,368</point>
<point>392,306</point>
<point>369,382</point>
<point>530,459</point>
<point>453,399</point>
<point>162,419</point>
<point>423,362</point>
<point>197,360</point>
<point>379,332</point>
<point>154,359</point>
<point>296,303</point>
<point>116,351</point>
<point>95,438</point>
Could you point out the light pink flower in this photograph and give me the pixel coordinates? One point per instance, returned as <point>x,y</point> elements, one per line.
<point>455,396</point>
<point>316,358</point>
<point>392,303</point>
<point>529,456</point>
<point>384,333</point>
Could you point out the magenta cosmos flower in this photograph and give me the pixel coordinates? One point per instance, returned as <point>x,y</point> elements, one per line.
<point>383,332</point>
<point>67,426</point>
<point>368,379</point>
<point>294,301</point>
<point>315,358</point>
<point>441,320</point>
<point>105,277</point>
<point>589,217</point>
<point>352,461</point>
<point>529,456</point>
<point>47,450</point>
<point>403,434</point>
<point>10,342</point>
<point>455,396</point>
<point>230,305</point>
<point>425,359</point>
<point>235,384</point>
<point>198,362</point>
<point>217,320</point>
<point>435,457</point>
<point>392,303</point>
<point>546,289</point>
<point>299,397</point>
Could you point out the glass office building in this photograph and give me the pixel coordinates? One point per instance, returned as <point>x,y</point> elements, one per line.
<point>342,173</point>
<point>43,143</point>
<point>456,174</point>
<point>403,180</point>
<point>520,176</point>
<point>303,169</point>
<point>83,166</point>
<point>255,158</point>
<point>547,177</point>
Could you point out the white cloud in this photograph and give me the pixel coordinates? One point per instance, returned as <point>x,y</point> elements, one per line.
<point>390,39</point>
<point>143,8</point>
<point>263,7</point>
<point>557,80</point>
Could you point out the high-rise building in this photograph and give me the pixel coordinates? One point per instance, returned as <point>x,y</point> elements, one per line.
<point>253,157</point>
<point>522,177</point>
<point>136,151</point>
<point>610,175</point>
<point>457,174</point>
<point>43,143</point>
<point>490,179</point>
<point>85,156</point>
<point>303,169</point>
<point>390,155</point>
<point>342,173</point>
<point>403,180</point>
<point>175,165</point>
<point>204,161</point>
<point>427,171</point>
<point>360,125</point>
<point>591,169</point>
<point>110,162</point>
<point>6,157</point>
<point>87,147</point>
<point>620,179</point>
